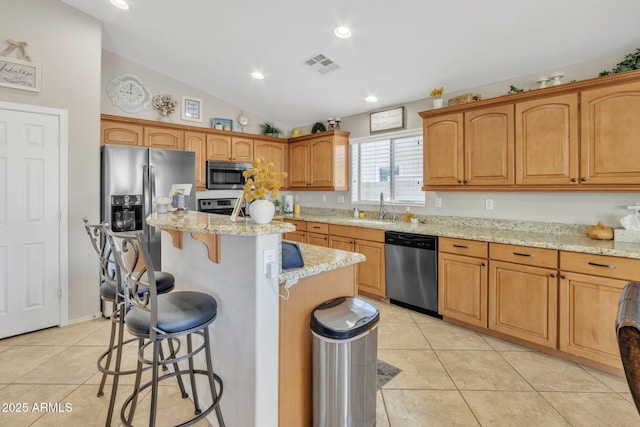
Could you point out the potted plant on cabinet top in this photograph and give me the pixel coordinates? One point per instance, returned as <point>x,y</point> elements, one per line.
<point>437,97</point>
<point>269,129</point>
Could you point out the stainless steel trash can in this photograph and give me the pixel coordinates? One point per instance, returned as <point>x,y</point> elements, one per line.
<point>345,353</point>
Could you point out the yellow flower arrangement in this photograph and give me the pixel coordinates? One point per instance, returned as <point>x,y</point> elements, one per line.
<point>437,93</point>
<point>261,179</point>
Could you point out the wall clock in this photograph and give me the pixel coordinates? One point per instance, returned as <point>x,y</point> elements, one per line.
<point>128,93</point>
<point>243,120</point>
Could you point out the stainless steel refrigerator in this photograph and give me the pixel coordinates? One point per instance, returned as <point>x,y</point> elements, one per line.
<point>132,177</point>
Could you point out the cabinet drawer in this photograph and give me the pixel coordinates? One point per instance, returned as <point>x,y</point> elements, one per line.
<point>472,248</point>
<point>601,265</point>
<point>524,255</point>
<point>318,227</point>
<point>357,232</point>
<point>300,225</point>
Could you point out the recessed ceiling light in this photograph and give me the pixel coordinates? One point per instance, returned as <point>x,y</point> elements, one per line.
<point>121,4</point>
<point>371,99</point>
<point>256,75</point>
<point>342,32</point>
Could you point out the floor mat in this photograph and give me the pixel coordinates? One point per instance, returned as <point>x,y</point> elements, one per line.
<point>386,373</point>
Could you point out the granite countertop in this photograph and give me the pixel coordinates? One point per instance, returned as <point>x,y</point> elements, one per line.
<point>318,259</point>
<point>200,222</point>
<point>566,237</point>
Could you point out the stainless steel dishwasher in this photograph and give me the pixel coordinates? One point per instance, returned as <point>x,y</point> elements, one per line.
<point>411,262</point>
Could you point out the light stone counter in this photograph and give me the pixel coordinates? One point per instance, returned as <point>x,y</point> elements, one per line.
<point>200,222</point>
<point>318,260</point>
<point>566,237</point>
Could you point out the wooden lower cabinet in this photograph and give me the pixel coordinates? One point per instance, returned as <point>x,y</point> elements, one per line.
<point>523,302</point>
<point>462,288</point>
<point>300,235</point>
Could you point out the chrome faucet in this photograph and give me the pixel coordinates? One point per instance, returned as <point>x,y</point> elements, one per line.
<point>383,209</point>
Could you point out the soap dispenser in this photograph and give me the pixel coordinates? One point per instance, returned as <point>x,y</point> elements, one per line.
<point>407,215</point>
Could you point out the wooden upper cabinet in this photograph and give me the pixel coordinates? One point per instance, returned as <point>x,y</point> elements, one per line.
<point>241,149</point>
<point>164,138</point>
<point>443,150</point>
<point>547,141</point>
<point>113,132</point>
<point>197,142</point>
<point>219,148</point>
<point>489,146</point>
<point>319,161</point>
<point>275,152</point>
<point>610,135</point>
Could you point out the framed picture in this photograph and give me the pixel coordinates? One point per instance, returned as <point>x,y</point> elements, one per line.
<point>221,124</point>
<point>386,120</point>
<point>237,208</point>
<point>19,74</point>
<point>191,109</point>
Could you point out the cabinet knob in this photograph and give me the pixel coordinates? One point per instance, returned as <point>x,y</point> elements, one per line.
<point>465,181</point>
<point>459,182</point>
<point>574,180</point>
<point>583,179</point>
<point>483,264</point>
<point>552,275</point>
<point>562,276</point>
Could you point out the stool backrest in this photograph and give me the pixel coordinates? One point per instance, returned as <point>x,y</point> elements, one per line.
<point>138,278</point>
<point>628,331</point>
<point>108,268</point>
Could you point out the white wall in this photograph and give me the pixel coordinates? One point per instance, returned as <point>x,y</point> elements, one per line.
<point>160,84</point>
<point>565,207</point>
<point>67,44</point>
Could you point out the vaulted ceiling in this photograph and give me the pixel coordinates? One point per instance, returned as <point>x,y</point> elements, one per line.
<point>398,51</point>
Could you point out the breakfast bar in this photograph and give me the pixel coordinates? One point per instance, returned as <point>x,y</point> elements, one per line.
<point>261,309</point>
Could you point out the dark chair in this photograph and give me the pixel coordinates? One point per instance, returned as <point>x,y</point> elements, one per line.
<point>111,292</point>
<point>154,318</point>
<point>628,330</point>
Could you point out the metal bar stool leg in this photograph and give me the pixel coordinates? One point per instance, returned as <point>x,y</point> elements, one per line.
<point>194,390</point>
<point>211,375</point>
<point>116,378</point>
<point>108,361</point>
<point>176,368</point>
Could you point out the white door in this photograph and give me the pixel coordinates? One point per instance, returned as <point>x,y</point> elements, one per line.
<point>30,279</point>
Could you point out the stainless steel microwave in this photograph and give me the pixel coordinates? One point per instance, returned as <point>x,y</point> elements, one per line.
<point>226,175</point>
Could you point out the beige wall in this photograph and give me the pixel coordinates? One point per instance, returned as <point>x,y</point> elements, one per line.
<point>67,44</point>
<point>160,84</point>
<point>578,208</point>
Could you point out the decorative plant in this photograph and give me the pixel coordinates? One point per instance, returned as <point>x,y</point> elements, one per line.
<point>164,104</point>
<point>437,93</point>
<point>261,179</point>
<point>630,62</point>
<point>268,128</point>
<point>318,127</point>
<point>513,89</point>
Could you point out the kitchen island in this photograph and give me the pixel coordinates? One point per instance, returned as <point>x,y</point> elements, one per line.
<point>260,309</point>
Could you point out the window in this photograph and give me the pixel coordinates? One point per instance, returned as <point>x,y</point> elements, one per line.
<point>374,158</point>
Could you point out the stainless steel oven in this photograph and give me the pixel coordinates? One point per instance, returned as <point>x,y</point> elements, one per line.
<point>226,175</point>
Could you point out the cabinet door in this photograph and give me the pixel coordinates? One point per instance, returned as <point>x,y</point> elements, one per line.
<point>489,146</point>
<point>462,288</point>
<point>443,157</point>
<point>342,243</point>
<point>296,236</point>
<point>610,135</point>
<point>588,310</point>
<point>242,150</point>
<point>321,162</point>
<point>197,142</point>
<point>318,239</point>
<point>547,141</point>
<point>523,302</point>
<point>298,164</point>
<point>120,133</point>
<point>371,273</point>
<point>273,152</point>
<point>163,138</point>
<point>219,148</point>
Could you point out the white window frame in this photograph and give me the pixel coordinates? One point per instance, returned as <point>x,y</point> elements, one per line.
<point>355,174</point>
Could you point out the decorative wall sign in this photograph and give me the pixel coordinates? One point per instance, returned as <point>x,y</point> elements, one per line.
<point>19,74</point>
<point>386,120</point>
<point>191,109</point>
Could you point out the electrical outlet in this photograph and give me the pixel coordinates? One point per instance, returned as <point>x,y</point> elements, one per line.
<point>324,198</point>
<point>297,198</point>
<point>268,257</point>
<point>438,202</point>
<point>488,204</point>
<point>341,198</point>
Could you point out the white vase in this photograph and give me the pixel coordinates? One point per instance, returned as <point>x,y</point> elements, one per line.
<point>262,211</point>
<point>437,103</point>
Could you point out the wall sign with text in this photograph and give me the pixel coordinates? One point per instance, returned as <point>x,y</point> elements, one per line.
<point>19,74</point>
<point>386,120</point>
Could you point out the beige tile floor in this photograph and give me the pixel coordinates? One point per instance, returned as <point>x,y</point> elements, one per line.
<point>450,376</point>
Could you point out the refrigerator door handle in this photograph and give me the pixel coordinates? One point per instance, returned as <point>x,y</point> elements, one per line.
<point>145,190</point>
<point>152,183</point>
<point>152,232</point>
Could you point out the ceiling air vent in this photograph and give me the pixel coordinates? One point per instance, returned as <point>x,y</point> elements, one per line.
<point>321,63</point>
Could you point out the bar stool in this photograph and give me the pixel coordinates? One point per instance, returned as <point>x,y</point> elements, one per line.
<point>153,318</point>
<point>110,292</point>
